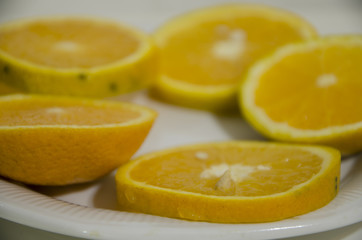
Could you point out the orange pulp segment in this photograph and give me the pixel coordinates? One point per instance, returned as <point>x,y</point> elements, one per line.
<point>230,181</point>
<point>309,92</point>
<point>210,49</point>
<point>68,43</point>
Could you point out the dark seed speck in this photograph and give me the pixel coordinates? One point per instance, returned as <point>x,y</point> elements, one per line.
<point>6,69</point>
<point>82,76</point>
<point>113,87</point>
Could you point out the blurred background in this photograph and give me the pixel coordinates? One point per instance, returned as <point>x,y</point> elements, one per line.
<point>329,16</point>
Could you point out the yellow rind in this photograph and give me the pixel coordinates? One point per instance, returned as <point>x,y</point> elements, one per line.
<point>211,98</point>
<point>311,195</point>
<point>6,89</point>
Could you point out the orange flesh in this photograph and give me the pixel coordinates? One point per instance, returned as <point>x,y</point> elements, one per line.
<point>290,92</point>
<point>68,43</point>
<point>43,113</point>
<point>190,58</point>
<point>181,170</point>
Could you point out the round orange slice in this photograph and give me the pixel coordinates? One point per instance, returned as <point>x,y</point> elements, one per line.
<point>75,56</point>
<point>49,140</point>
<point>309,92</point>
<point>204,53</point>
<point>230,182</point>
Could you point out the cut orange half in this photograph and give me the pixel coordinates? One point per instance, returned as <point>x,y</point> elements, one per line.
<point>309,92</point>
<point>75,56</point>
<point>203,54</point>
<point>230,182</point>
<point>49,140</point>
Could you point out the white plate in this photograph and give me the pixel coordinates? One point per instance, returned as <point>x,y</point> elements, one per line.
<point>90,210</point>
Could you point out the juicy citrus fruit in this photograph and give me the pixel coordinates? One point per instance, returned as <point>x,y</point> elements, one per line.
<point>203,54</point>
<point>230,181</point>
<point>75,56</point>
<point>309,92</point>
<point>51,140</point>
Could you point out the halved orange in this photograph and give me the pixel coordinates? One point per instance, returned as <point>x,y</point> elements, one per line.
<point>309,92</point>
<point>49,140</point>
<point>204,53</point>
<point>230,182</point>
<point>75,56</point>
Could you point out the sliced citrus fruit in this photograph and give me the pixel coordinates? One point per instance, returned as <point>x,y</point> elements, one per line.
<point>230,181</point>
<point>49,140</point>
<point>75,56</point>
<point>203,54</point>
<point>309,92</point>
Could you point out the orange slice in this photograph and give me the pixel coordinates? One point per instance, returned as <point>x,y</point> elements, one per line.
<point>230,182</point>
<point>49,140</point>
<point>75,56</point>
<point>309,92</point>
<point>203,54</point>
